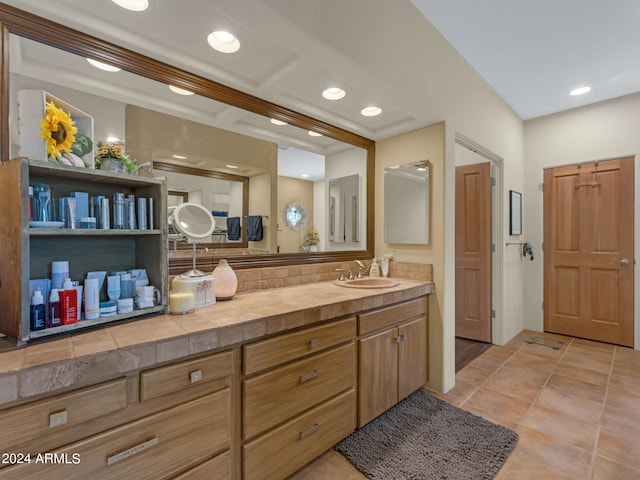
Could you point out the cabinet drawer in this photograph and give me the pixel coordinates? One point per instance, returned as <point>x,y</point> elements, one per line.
<point>155,447</point>
<point>301,439</point>
<point>176,377</point>
<point>27,422</point>
<point>274,351</point>
<point>385,317</point>
<point>218,468</point>
<point>276,396</point>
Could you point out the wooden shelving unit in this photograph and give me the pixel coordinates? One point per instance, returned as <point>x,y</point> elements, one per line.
<point>28,252</point>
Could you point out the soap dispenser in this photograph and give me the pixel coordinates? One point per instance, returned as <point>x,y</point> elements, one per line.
<point>374,270</point>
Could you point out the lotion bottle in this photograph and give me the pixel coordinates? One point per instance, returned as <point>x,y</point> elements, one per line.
<point>54,319</point>
<point>374,270</point>
<point>36,312</point>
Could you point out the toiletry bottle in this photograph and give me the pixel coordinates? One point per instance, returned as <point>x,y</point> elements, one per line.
<point>374,270</point>
<point>59,271</point>
<point>54,318</point>
<point>36,313</point>
<point>69,303</point>
<point>91,298</point>
<point>384,267</point>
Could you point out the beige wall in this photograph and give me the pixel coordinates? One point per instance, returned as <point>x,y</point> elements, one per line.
<point>601,131</point>
<point>293,190</point>
<point>425,143</point>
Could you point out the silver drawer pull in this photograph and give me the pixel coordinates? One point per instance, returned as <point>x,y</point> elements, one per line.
<point>311,431</point>
<point>57,419</point>
<point>196,376</point>
<point>132,451</point>
<point>398,339</point>
<point>313,343</point>
<point>309,376</point>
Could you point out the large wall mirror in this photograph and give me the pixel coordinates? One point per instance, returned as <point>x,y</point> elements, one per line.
<point>219,135</point>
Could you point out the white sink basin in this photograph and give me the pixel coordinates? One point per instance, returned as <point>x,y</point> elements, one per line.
<point>367,283</point>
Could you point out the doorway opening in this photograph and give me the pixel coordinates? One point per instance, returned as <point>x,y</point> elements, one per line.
<point>468,152</point>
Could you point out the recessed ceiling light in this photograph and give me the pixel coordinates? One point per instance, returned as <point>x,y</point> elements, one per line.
<point>179,157</point>
<point>275,121</point>
<point>180,91</point>
<point>231,166</point>
<point>103,66</point>
<point>371,111</point>
<point>579,91</point>
<point>134,5</point>
<point>314,134</point>
<point>305,175</point>
<point>113,140</point>
<point>224,42</point>
<point>333,93</point>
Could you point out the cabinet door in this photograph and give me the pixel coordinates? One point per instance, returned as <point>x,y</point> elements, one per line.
<point>378,379</point>
<point>412,357</point>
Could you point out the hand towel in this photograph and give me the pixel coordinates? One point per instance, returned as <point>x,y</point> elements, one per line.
<point>254,228</point>
<point>233,228</point>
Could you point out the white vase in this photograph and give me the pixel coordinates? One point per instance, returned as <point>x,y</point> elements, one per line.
<point>226,281</point>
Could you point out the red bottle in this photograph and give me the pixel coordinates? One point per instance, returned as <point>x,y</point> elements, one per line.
<point>69,303</point>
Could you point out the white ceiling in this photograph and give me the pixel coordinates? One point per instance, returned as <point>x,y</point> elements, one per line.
<point>532,53</point>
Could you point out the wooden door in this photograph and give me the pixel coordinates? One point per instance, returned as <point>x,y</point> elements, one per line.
<point>378,378</point>
<point>473,252</point>
<point>588,251</point>
<point>412,357</point>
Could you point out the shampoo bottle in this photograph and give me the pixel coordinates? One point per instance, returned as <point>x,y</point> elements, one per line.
<point>54,319</point>
<point>374,270</point>
<point>36,313</point>
<point>91,298</point>
<point>69,303</point>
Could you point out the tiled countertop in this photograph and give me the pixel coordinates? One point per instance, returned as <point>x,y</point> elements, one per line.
<point>87,357</point>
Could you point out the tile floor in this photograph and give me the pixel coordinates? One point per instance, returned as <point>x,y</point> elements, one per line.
<point>576,409</point>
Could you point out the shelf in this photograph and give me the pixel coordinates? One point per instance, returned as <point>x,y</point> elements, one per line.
<point>72,232</point>
<point>98,321</point>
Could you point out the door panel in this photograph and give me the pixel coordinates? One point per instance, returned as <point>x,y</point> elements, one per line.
<point>473,252</point>
<point>588,238</point>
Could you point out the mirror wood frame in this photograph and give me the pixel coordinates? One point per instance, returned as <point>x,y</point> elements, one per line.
<point>25,24</point>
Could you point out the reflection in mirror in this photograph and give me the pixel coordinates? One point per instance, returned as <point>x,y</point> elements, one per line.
<point>35,63</point>
<point>344,205</point>
<point>406,203</point>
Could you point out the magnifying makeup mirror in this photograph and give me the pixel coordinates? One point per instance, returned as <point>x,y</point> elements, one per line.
<point>194,222</point>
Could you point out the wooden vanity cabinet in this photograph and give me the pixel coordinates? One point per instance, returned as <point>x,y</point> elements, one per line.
<point>301,401</point>
<point>392,353</point>
<point>180,425</point>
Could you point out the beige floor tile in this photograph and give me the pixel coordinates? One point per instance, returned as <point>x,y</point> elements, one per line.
<point>619,419</point>
<point>577,388</point>
<point>499,404</point>
<point>487,362</point>
<point>498,352</point>
<point>513,386</point>
<point>473,374</point>
<point>516,468</point>
<point>572,406</point>
<point>597,345</point>
<point>591,352</point>
<point>622,399</point>
<point>490,416</point>
<point>620,446</point>
<point>331,465</point>
<point>630,373</point>
<point>584,374</point>
<point>604,469</point>
<point>625,382</point>
<point>627,356</point>
<point>457,394</point>
<point>578,359</point>
<point>558,457</point>
<point>533,368</point>
<point>561,427</point>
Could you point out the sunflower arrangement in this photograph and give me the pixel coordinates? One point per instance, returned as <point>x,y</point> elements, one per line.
<point>58,131</point>
<point>115,150</point>
<point>312,238</point>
